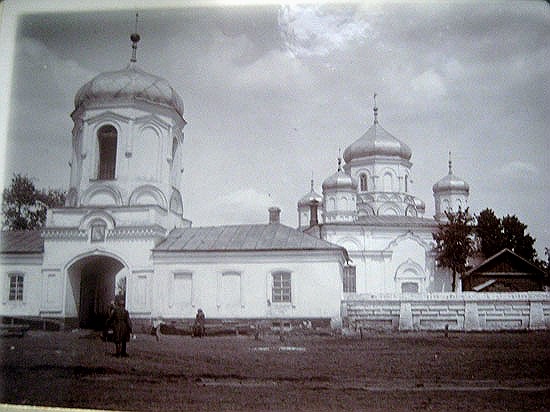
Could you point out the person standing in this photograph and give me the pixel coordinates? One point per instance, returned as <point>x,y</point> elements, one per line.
<point>121,324</point>
<point>157,322</point>
<point>198,327</point>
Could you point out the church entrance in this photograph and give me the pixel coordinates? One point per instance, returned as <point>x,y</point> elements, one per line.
<point>93,283</point>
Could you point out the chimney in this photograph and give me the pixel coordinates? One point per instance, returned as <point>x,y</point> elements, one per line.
<point>274,215</point>
<point>313,221</point>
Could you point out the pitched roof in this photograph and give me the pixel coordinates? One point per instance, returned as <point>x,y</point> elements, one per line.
<point>21,241</point>
<point>501,255</point>
<point>273,236</point>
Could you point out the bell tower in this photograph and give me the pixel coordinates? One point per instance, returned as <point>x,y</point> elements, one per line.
<point>127,142</point>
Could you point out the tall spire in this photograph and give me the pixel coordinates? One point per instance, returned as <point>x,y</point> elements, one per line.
<point>135,39</point>
<point>312,180</point>
<point>339,160</point>
<point>450,164</point>
<point>375,109</point>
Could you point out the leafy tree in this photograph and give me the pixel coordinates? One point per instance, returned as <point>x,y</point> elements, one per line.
<point>488,233</point>
<point>515,238</point>
<point>24,206</point>
<point>494,234</point>
<point>454,242</point>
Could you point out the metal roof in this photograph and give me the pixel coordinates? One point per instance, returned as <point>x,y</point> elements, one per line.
<point>273,236</point>
<point>21,241</point>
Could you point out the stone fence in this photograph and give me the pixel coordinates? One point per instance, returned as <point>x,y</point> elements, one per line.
<point>461,311</point>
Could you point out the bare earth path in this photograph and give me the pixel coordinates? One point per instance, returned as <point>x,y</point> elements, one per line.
<point>382,372</point>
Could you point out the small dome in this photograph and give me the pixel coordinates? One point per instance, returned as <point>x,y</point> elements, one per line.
<point>309,197</point>
<point>419,204</point>
<point>340,180</point>
<point>128,85</point>
<point>377,142</point>
<point>451,183</point>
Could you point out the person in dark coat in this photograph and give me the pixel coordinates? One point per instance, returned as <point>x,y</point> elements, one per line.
<point>198,326</point>
<point>120,322</point>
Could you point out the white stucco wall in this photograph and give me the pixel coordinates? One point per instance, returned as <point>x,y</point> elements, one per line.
<point>31,268</point>
<point>316,285</point>
<point>387,257</point>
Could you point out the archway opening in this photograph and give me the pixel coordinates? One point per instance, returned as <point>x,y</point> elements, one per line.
<point>93,283</point>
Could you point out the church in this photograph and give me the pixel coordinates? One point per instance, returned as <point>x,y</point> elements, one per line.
<point>123,227</point>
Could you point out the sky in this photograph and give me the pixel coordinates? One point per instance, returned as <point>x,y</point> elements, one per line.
<point>272,92</point>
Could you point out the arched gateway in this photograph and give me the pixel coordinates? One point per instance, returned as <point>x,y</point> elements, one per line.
<point>92,283</point>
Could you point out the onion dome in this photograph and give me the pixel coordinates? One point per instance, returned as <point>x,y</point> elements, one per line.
<point>129,85</point>
<point>340,180</point>
<point>309,197</point>
<point>377,142</point>
<point>420,205</point>
<point>451,183</point>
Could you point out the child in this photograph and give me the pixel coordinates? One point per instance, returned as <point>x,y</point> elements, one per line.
<point>156,327</point>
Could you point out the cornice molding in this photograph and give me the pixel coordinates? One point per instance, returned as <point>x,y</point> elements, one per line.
<point>64,234</point>
<point>135,232</point>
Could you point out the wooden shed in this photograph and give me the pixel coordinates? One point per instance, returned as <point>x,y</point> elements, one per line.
<point>504,272</point>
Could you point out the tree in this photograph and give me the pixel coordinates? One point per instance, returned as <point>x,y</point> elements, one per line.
<point>494,234</point>
<point>24,206</point>
<point>515,238</point>
<point>454,242</point>
<point>488,233</point>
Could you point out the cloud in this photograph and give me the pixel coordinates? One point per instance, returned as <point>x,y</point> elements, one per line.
<point>316,30</point>
<point>429,85</point>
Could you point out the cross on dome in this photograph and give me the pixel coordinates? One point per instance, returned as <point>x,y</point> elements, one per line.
<point>375,109</point>
<point>134,37</point>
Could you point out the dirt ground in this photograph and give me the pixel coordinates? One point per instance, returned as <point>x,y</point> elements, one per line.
<point>381,372</point>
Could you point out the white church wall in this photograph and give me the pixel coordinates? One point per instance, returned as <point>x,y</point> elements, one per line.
<point>30,268</point>
<point>316,287</point>
<point>63,257</point>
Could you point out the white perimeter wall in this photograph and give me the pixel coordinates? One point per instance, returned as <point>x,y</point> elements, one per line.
<point>468,311</point>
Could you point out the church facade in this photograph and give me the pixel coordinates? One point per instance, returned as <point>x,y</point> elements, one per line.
<point>123,227</point>
<point>367,207</point>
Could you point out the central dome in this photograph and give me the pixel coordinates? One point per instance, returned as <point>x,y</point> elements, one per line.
<point>127,86</point>
<point>377,142</point>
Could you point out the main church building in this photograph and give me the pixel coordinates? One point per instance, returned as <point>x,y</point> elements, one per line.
<point>123,224</point>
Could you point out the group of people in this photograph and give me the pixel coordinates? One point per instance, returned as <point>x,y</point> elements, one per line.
<point>120,325</point>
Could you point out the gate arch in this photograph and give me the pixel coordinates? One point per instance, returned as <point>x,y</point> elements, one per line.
<point>91,287</point>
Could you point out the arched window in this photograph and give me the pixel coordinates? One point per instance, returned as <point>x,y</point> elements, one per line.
<point>107,141</point>
<point>388,182</point>
<point>174,147</point>
<point>363,182</point>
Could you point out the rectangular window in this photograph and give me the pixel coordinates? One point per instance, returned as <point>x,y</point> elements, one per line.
<point>16,287</point>
<point>349,279</point>
<point>281,290</point>
<point>183,289</point>
<point>231,290</point>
